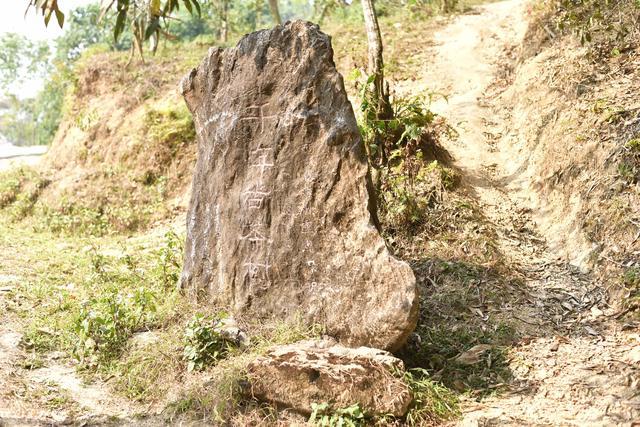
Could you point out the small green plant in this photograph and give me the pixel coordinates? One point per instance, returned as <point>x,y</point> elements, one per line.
<point>432,402</point>
<point>322,415</point>
<point>170,259</point>
<point>105,323</point>
<point>204,343</point>
<point>634,145</point>
<point>631,282</point>
<point>626,171</point>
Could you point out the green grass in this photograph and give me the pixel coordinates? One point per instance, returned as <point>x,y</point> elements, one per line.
<point>90,296</point>
<point>87,295</point>
<point>120,212</point>
<point>631,283</point>
<point>432,403</point>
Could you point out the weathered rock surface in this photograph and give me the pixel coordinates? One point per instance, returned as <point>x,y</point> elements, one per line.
<point>297,375</point>
<point>280,219</point>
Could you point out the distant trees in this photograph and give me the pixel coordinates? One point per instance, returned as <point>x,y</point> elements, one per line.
<point>149,20</point>
<point>21,59</point>
<point>28,121</point>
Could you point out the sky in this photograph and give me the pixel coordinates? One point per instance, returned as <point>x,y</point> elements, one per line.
<point>13,19</point>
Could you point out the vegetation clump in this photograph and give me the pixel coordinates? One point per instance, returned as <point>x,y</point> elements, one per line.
<point>405,158</point>
<point>631,283</point>
<point>205,344</point>
<point>322,415</point>
<point>432,402</point>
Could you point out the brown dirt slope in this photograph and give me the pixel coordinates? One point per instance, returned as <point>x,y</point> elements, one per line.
<point>125,149</point>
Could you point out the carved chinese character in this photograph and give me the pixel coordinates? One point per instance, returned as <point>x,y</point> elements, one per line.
<point>258,113</point>
<point>262,162</point>
<point>257,269</point>
<point>255,234</point>
<point>255,197</point>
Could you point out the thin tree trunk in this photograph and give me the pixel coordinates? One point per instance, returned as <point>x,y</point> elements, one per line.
<point>225,21</point>
<point>275,12</point>
<point>376,63</point>
<point>376,68</point>
<point>323,12</point>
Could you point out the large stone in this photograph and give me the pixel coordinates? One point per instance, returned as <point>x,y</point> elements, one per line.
<point>280,220</point>
<point>297,375</point>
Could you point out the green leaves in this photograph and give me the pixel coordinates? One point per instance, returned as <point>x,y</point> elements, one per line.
<point>322,415</point>
<point>144,18</point>
<point>204,342</point>
<point>22,59</point>
<point>48,8</point>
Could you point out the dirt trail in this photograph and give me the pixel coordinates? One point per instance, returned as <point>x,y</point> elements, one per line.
<point>12,156</point>
<point>47,390</point>
<point>580,368</point>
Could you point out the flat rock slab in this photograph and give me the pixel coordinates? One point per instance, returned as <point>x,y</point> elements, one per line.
<point>280,221</point>
<point>318,371</point>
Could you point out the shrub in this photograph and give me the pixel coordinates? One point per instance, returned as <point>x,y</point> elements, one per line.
<point>204,344</point>
<point>105,323</point>
<point>403,153</point>
<point>607,23</point>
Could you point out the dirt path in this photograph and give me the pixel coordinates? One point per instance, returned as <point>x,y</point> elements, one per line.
<point>46,390</point>
<point>11,156</point>
<point>581,368</point>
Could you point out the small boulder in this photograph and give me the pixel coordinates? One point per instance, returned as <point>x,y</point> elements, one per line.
<point>319,371</point>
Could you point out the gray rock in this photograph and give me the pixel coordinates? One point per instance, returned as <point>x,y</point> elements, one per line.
<point>280,222</point>
<point>297,375</point>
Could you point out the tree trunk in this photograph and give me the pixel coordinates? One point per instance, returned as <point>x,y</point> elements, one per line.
<point>275,13</point>
<point>224,34</point>
<point>376,63</point>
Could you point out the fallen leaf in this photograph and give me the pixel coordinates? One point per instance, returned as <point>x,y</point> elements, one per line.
<point>473,355</point>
